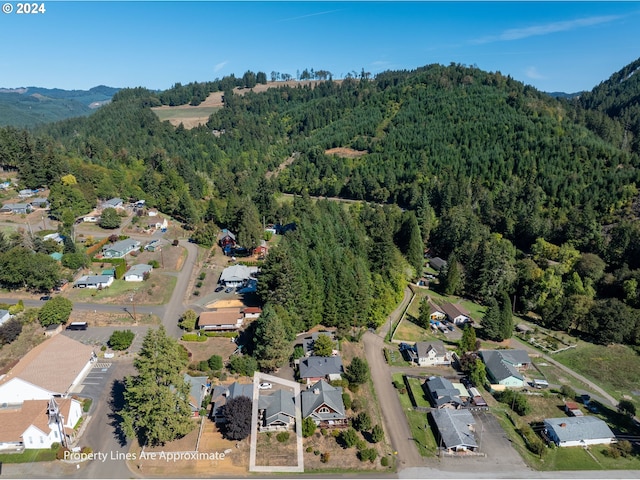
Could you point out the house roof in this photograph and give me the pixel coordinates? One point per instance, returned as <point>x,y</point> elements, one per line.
<point>139,269</point>
<point>15,421</point>
<point>197,387</point>
<point>114,202</point>
<point>437,263</point>
<point>278,406</point>
<point>38,201</point>
<point>433,308</point>
<point>501,364</point>
<point>226,233</point>
<point>453,426</point>
<point>122,245</point>
<point>317,367</point>
<point>237,273</point>
<point>321,393</point>
<point>93,279</point>
<point>423,348</point>
<point>307,343</point>
<point>222,393</point>
<point>454,311</point>
<point>52,365</point>
<point>573,429</point>
<point>252,310</point>
<point>224,316</point>
<point>16,206</point>
<point>442,391</point>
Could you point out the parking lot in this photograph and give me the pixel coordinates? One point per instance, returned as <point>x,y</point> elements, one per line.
<point>98,336</point>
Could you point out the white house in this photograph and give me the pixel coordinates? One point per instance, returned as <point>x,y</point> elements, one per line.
<point>120,249</point>
<point>432,353</point>
<point>137,272</point>
<point>113,203</point>
<point>578,431</point>
<point>4,316</point>
<point>38,424</point>
<point>94,281</point>
<point>236,275</point>
<point>456,314</point>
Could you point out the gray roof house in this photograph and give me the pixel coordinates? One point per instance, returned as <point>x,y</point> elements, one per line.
<point>307,343</point>
<point>442,393</point>
<point>502,366</point>
<point>113,203</point>
<point>314,369</point>
<point>432,353</point>
<point>455,429</point>
<point>236,275</point>
<point>39,202</point>
<point>94,281</point>
<point>276,411</point>
<point>136,272</point>
<point>222,393</point>
<point>437,263</point>
<point>199,387</point>
<point>4,316</point>
<point>323,403</point>
<point>120,249</point>
<point>17,208</point>
<point>578,431</point>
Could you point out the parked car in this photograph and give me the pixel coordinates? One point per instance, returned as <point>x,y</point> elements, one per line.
<point>44,298</point>
<point>228,290</point>
<point>219,288</point>
<point>265,386</point>
<point>450,327</point>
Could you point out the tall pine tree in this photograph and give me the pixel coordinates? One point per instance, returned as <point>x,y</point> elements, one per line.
<point>272,347</point>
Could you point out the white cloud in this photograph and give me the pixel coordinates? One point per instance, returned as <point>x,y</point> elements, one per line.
<point>532,73</point>
<point>220,66</point>
<point>546,29</point>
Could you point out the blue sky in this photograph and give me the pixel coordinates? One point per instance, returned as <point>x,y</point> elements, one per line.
<point>554,46</point>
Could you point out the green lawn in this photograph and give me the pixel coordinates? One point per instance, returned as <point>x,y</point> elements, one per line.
<point>418,393</point>
<point>162,291</point>
<point>168,113</point>
<point>418,424</point>
<point>28,456</point>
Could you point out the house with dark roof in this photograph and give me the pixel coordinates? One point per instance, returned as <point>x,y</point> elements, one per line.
<point>432,353</point>
<point>437,263</point>
<point>503,367</point>
<point>456,429</point>
<point>323,403</point>
<point>226,240</point>
<point>442,393</point>
<point>198,389</point>
<point>313,369</point>
<point>456,314</point>
<point>578,431</point>
<point>223,393</point>
<point>276,412</point>
<point>120,249</point>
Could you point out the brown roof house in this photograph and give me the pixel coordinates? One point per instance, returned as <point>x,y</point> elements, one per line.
<point>221,319</point>
<point>54,367</point>
<point>38,424</point>
<point>456,314</point>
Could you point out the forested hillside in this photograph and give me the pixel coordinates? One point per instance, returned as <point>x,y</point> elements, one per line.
<point>524,194</point>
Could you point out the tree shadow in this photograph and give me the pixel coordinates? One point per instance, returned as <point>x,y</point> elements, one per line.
<point>116,404</point>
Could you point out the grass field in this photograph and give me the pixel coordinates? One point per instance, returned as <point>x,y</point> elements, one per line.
<point>420,432</point>
<point>28,456</point>
<point>418,393</point>
<point>616,368</point>
<point>155,291</point>
<point>184,112</point>
<point>408,331</point>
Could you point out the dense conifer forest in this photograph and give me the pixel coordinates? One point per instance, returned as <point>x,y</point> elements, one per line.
<point>527,196</point>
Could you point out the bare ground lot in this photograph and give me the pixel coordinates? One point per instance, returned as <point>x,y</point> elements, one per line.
<point>272,453</point>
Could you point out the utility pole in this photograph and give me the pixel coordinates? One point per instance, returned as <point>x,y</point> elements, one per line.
<point>133,303</point>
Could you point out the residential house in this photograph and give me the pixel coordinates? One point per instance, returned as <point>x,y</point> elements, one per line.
<point>221,319</point>
<point>308,343</point>
<point>5,185</point>
<point>503,367</point>
<point>91,219</point>
<point>38,424</point>
<point>573,409</point>
<point>276,412</point>
<point>4,316</point>
<point>16,208</point>
<point>198,390</point>
<point>252,312</point>
<point>323,403</point>
<point>93,281</point>
<point>313,369</point>
<point>157,221</point>
<point>226,239</point>
<point>578,431</point>
<point>455,430</point>
<point>39,203</point>
<point>437,263</point>
<point>223,393</point>
<point>456,314</point>
<point>26,193</point>
<point>237,275</point>
<point>113,203</point>
<point>56,237</point>
<point>436,314</point>
<point>54,367</point>
<point>432,353</point>
<point>442,393</point>
<point>120,249</point>
<point>137,272</point>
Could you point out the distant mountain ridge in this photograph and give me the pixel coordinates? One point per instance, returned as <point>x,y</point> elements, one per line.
<point>31,106</point>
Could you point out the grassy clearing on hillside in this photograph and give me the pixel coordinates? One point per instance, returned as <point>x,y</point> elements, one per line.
<point>616,368</point>
<point>184,112</point>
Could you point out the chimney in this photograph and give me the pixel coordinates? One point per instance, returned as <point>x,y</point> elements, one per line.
<point>563,425</point>
<point>316,391</point>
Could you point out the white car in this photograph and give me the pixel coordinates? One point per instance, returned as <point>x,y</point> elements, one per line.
<point>265,386</point>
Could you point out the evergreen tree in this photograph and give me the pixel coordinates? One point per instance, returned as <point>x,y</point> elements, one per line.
<point>478,372</point>
<point>491,321</point>
<point>506,316</point>
<point>272,347</point>
<point>468,342</point>
<point>156,407</point>
<point>249,227</point>
<point>424,313</point>
<point>323,346</point>
<point>451,277</point>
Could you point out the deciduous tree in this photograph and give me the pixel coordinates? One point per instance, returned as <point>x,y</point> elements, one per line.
<point>237,413</point>
<point>55,311</point>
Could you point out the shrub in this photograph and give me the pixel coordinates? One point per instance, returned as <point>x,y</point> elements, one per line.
<point>324,458</point>
<point>308,427</point>
<point>346,399</point>
<point>215,362</point>
<point>361,445</point>
<point>316,452</point>
<point>86,450</point>
<point>384,461</point>
<point>198,284</point>
<point>377,434</point>
<point>121,339</point>
<point>362,422</point>
<point>196,293</point>
<point>335,433</point>
<point>323,432</point>
<point>309,449</point>
<point>154,263</point>
<point>193,337</point>
<point>202,275</point>
<point>61,453</point>
<point>103,348</point>
<point>86,404</point>
<point>175,243</point>
<point>348,437</point>
<point>203,366</point>
<point>368,454</point>
<point>282,437</point>
<point>567,391</point>
<point>356,404</point>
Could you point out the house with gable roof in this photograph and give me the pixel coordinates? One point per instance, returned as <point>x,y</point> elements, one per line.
<point>276,412</point>
<point>578,431</point>
<point>223,393</point>
<point>198,390</point>
<point>120,249</point>
<point>137,272</point>
<point>504,366</point>
<point>456,314</point>
<point>432,353</point>
<point>323,403</point>
<point>313,369</point>
<point>456,430</point>
<point>442,393</point>
<point>237,275</point>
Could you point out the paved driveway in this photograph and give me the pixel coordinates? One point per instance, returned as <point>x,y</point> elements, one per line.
<point>98,336</point>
